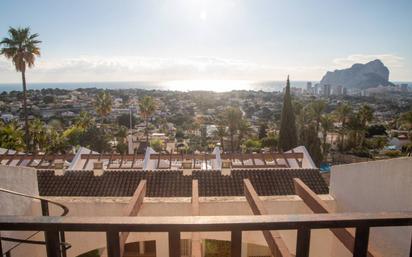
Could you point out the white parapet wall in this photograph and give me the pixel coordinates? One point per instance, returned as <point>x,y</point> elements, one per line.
<point>22,180</point>
<point>377,186</point>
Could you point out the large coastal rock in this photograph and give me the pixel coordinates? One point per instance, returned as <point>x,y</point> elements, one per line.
<point>360,76</point>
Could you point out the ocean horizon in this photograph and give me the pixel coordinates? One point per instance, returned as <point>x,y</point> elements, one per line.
<point>174,85</point>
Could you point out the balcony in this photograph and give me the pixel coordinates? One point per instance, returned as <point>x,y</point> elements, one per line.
<point>114,227</point>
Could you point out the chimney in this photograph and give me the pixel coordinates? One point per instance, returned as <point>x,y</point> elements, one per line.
<point>187,168</point>
<point>226,167</point>
<point>98,168</point>
<point>59,168</point>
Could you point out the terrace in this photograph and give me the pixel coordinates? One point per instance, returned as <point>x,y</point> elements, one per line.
<point>287,211</point>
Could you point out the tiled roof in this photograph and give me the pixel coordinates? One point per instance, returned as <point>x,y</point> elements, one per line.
<point>172,183</point>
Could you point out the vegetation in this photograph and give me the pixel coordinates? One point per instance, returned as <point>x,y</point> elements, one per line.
<point>147,108</point>
<point>22,47</point>
<point>11,136</point>
<point>103,104</point>
<point>287,134</point>
<point>157,145</point>
<point>233,116</point>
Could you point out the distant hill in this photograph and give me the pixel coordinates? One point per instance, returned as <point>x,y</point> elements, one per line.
<point>361,76</point>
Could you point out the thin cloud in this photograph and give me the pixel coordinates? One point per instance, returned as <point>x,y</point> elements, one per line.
<point>390,60</point>
<point>121,68</point>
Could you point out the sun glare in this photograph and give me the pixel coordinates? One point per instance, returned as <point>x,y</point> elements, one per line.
<point>208,85</point>
<point>203,15</point>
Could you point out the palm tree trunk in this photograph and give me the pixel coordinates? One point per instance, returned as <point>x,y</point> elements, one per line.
<point>221,144</point>
<point>231,142</point>
<point>26,118</point>
<point>147,130</point>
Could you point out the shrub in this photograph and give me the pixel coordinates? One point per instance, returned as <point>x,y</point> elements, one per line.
<point>393,153</point>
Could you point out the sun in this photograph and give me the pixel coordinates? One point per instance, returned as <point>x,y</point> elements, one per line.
<point>203,15</point>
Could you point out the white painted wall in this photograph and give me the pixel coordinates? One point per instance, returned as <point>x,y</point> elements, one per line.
<point>22,180</point>
<point>377,186</point>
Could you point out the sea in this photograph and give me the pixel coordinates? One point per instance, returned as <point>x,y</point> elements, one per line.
<point>175,85</point>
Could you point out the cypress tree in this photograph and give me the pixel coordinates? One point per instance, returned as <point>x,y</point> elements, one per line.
<point>287,135</point>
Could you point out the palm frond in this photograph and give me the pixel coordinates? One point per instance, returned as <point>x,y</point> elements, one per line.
<point>21,47</point>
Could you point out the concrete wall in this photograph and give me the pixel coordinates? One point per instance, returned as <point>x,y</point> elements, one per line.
<point>321,242</point>
<point>22,180</point>
<point>377,186</point>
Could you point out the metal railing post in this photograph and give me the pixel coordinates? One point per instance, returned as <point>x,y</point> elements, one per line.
<point>1,247</point>
<point>52,238</point>
<point>52,243</point>
<point>236,243</point>
<point>113,243</point>
<point>44,207</point>
<point>174,244</point>
<point>63,246</point>
<point>303,242</point>
<point>361,242</point>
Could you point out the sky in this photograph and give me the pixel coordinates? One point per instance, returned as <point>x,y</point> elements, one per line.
<point>253,40</point>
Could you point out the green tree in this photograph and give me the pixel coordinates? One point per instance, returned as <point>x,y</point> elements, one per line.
<point>262,130</point>
<point>326,123</point>
<point>406,120</point>
<point>38,135</point>
<point>232,117</point>
<point>96,139</point>
<point>220,133</point>
<point>157,145</point>
<point>312,143</point>
<point>245,130</point>
<point>252,145</point>
<point>355,130</point>
<point>270,141</point>
<point>84,120</point>
<point>11,136</point>
<point>22,47</point>
<point>74,135</point>
<point>147,108</point>
<point>317,108</point>
<point>287,135</point>
<point>57,143</point>
<point>365,115</point>
<point>343,112</point>
<point>103,104</point>
<point>124,120</point>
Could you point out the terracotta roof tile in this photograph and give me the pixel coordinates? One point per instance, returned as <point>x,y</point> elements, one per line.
<point>172,183</point>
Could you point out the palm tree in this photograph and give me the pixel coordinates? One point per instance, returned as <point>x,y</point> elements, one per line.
<point>355,129</point>
<point>220,133</point>
<point>244,130</point>
<point>84,120</point>
<point>406,119</point>
<point>103,104</point>
<point>147,107</point>
<point>317,108</point>
<point>38,135</point>
<point>326,123</point>
<point>233,117</point>
<point>365,115</point>
<point>343,113</point>
<point>58,143</point>
<point>22,48</point>
<point>11,136</point>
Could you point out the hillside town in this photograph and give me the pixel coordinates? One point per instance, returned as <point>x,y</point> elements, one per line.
<point>205,129</point>
<point>348,127</point>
